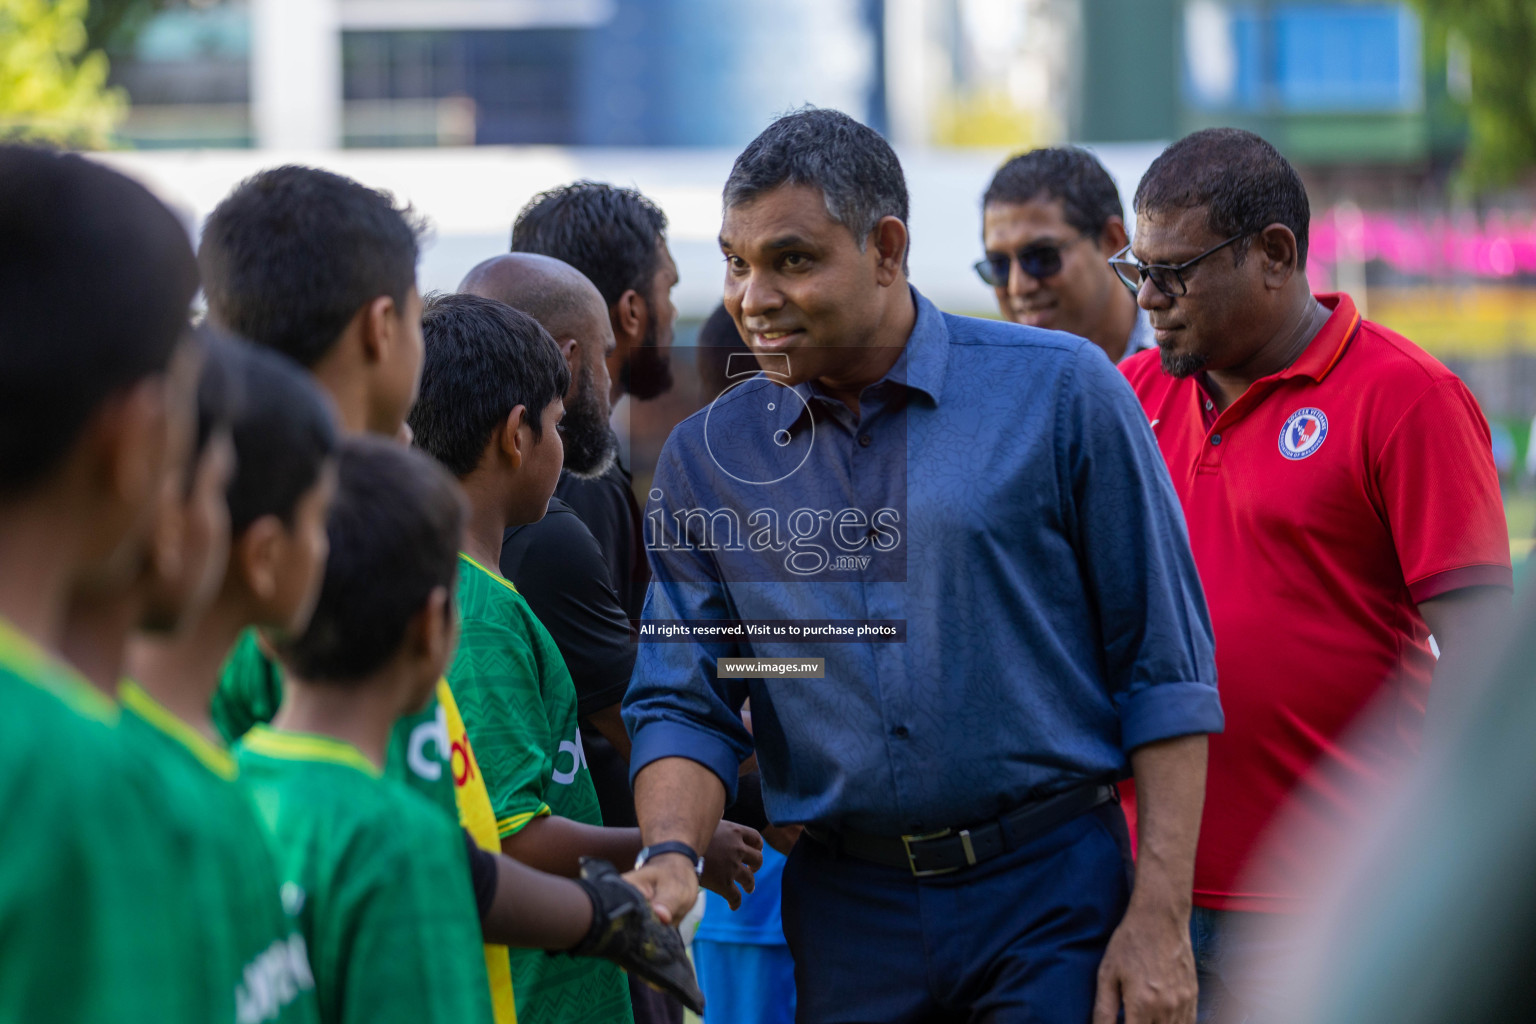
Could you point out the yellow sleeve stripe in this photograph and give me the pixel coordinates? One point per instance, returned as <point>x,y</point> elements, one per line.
<point>511,826</point>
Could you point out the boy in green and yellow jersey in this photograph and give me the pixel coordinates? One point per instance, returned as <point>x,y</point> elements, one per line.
<point>322,270</point>
<point>379,878</point>
<point>489,408</point>
<point>253,551</point>
<point>95,402</point>
<point>383,884</point>
<point>256,965</point>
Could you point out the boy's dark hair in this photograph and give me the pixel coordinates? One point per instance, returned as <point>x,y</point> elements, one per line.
<point>483,359</point>
<point>1242,181</point>
<point>853,166</point>
<point>96,278</point>
<point>220,389</point>
<point>394,530</point>
<point>1071,175</point>
<point>613,235</point>
<point>291,255</point>
<point>284,433</point>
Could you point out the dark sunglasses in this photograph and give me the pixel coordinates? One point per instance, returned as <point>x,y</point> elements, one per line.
<point>1038,261</point>
<point>1167,278</point>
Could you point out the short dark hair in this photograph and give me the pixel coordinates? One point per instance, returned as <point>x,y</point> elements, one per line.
<point>613,235</point>
<point>1242,181</point>
<point>284,433</point>
<point>483,359</point>
<point>1068,174</point>
<point>96,280</point>
<point>220,388</point>
<point>856,170</point>
<point>394,531</point>
<point>291,255</point>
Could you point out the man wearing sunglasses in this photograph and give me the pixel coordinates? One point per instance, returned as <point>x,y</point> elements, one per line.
<point>1342,504</point>
<point>1050,220</point>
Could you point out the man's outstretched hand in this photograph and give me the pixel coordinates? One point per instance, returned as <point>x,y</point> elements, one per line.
<point>625,931</point>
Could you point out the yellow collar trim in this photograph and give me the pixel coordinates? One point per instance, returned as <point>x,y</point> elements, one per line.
<point>307,746</point>
<point>22,655</point>
<point>215,758</point>
<point>495,576</point>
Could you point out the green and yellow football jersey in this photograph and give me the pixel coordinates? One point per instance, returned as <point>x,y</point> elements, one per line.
<point>95,923</point>
<point>428,752</point>
<point>377,878</point>
<point>256,956</point>
<point>251,690</point>
<point>519,709</point>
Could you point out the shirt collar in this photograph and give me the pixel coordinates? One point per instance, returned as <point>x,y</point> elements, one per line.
<point>921,367</point>
<point>925,358</point>
<point>1325,350</point>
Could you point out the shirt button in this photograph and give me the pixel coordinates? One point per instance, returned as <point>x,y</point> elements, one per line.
<point>900,730</point>
<point>872,532</point>
<point>865,441</point>
<point>1209,405</point>
<point>1215,439</point>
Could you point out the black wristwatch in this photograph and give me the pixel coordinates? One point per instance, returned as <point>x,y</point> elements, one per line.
<point>673,846</point>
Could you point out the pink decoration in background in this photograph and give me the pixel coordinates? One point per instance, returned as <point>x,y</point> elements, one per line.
<point>1441,246</point>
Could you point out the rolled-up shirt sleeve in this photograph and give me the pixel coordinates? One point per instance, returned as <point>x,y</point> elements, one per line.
<point>675,705</point>
<point>1159,652</point>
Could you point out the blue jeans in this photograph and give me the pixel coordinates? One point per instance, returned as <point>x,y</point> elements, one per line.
<point>1018,938</point>
<point>1241,965</point>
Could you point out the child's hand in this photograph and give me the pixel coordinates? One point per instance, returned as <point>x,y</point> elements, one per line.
<point>734,855</point>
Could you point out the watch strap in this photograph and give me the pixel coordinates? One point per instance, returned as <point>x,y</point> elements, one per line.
<point>671,846</point>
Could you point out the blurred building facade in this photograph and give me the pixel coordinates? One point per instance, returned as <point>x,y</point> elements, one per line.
<point>1368,105</point>
<point>1343,84</point>
<point>320,74</point>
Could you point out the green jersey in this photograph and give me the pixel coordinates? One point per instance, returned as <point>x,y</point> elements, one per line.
<point>257,961</point>
<point>251,690</point>
<point>519,709</point>
<point>95,924</point>
<point>379,881</point>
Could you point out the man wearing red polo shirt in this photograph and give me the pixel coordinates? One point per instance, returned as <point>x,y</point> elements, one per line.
<point>1342,504</point>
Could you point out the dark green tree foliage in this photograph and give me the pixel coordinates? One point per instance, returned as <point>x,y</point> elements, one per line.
<point>112,24</point>
<point>1500,40</point>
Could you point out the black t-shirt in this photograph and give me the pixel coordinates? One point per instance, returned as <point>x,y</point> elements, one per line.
<point>607,505</point>
<point>558,567</point>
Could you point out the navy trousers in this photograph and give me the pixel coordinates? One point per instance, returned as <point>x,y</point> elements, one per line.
<point>1018,938</point>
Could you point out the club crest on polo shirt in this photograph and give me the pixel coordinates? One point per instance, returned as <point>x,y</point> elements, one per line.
<point>1303,433</point>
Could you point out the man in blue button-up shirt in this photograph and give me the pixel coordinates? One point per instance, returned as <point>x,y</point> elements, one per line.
<point>992,491</point>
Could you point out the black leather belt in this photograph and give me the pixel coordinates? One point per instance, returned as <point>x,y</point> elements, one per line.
<point>950,850</point>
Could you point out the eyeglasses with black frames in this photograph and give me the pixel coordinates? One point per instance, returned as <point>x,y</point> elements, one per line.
<point>1039,261</point>
<point>1167,278</point>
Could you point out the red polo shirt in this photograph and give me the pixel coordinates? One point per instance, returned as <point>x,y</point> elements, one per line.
<point>1323,504</point>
